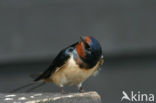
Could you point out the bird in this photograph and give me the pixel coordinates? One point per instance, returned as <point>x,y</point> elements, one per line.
<point>74,64</point>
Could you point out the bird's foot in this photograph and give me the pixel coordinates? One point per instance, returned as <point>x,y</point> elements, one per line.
<point>63,91</point>
<point>81,90</point>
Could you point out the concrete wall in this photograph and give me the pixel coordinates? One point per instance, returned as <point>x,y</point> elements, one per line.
<point>34,30</point>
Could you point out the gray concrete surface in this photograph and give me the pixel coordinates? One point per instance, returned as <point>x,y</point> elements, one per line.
<point>87,97</point>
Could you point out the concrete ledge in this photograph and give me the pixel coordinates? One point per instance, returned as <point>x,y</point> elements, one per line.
<point>87,97</point>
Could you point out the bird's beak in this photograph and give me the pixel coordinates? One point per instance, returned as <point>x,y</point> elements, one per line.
<point>82,39</point>
<point>85,43</point>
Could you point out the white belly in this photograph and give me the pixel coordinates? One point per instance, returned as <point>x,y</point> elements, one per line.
<point>71,74</point>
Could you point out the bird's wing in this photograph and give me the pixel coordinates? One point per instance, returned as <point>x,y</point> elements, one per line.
<point>59,61</point>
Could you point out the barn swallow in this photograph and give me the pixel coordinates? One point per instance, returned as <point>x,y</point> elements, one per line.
<point>74,64</point>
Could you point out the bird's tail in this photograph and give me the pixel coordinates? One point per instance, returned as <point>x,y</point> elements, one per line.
<point>36,86</point>
<point>30,86</point>
<point>22,87</point>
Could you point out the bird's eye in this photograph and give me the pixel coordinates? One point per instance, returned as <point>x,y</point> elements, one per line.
<point>89,49</point>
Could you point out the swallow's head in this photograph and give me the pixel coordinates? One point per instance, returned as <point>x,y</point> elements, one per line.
<point>89,50</point>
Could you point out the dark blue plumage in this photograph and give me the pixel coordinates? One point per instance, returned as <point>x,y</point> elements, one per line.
<point>59,60</point>
<point>74,64</point>
<point>93,52</point>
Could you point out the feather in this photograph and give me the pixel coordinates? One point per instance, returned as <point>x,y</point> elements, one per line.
<point>59,61</point>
